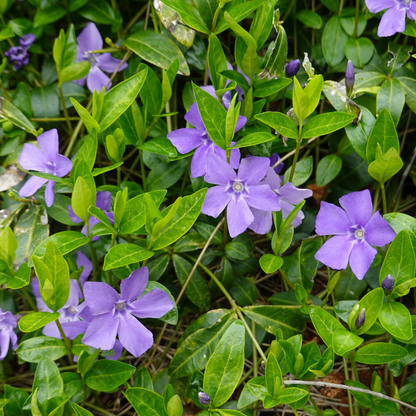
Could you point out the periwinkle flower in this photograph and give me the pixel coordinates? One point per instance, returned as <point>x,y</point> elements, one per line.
<point>188,139</point>
<point>7,335</point>
<point>349,77</point>
<point>27,40</point>
<point>356,229</point>
<point>46,160</point>
<point>292,68</point>
<point>288,196</point>
<point>394,19</point>
<point>114,314</point>
<point>239,191</point>
<point>103,202</point>
<point>360,321</point>
<point>89,40</point>
<point>18,56</point>
<point>203,398</point>
<point>388,285</point>
<point>274,158</point>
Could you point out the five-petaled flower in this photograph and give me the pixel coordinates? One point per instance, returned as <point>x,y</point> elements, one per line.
<point>7,335</point>
<point>356,229</point>
<point>112,313</point>
<point>90,40</point>
<point>239,191</point>
<point>18,55</point>
<point>394,19</point>
<point>46,160</point>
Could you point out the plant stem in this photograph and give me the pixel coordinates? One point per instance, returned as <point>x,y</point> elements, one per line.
<point>29,299</point>
<point>135,18</point>
<point>66,340</point>
<point>357,13</point>
<point>354,366</point>
<point>318,410</point>
<point>61,96</point>
<point>119,176</point>
<point>142,170</point>
<point>255,365</point>
<point>383,196</point>
<point>295,159</point>
<point>93,255</point>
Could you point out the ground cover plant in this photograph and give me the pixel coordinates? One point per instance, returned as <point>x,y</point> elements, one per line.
<point>207,207</point>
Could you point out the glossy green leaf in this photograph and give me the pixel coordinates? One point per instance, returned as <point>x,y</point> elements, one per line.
<point>8,246</point>
<point>33,321</point>
<point>14,115</point>
<point>270,263</point>
<point>379,353</point>
<point>400,221</point>
<point>292,394</point>
<point>324,323</point>
<point>309,18</point>
<point>386,166</point>
<point>359,51</point>
<point>271,87</point>
<point>334,39</point>
<point>273,376</point>
<point>123,254</point>
<point>372,302</point>
<point>313,90</point>
<point>300,101</point>
<point>303,171</point>
<point>35,349</point>
<point>86,117</point>
<point>323,124</point>
<point>254,139</point>
<point>395,318</point>
<point>146,402</point>
<point>48,380</point>
<point>79,411</point>
<point>75,71</point>
<point>392,97</point>
<point>344,341</point>
<point>21,278</point>
<point>279,122</point>
<point>82,198</point>
<point>364,399</point>
<point>328,168</point>
<point>160,146</point>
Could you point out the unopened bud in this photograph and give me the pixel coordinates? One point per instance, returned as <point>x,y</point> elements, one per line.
<point>292,68</point>
<point>203,398</point>
<point>360,319</point>
<point>388,285</point>
<point>299,363</point>
<point>349,78</point>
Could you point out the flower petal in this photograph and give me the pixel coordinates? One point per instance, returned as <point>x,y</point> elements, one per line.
<point>100,297</point>
<point>31,186</point>
<point>132,287</point>
<point>90,39</point>
<point>239,216</point>
<point>362,255</point>
<point>134,336</point>
<point>294,195</point>
<point>375,6</point>
<point>193,117</point>
<point>49,143</point>
<point>109,64</point>
<point>262,197</point>
<point>253,169</point>
<point>96,79</point>
<point>32,158</point>
<point>83,260</point>
<point>74,328</point>
<point>50,193</point>
<point>153,304</point>
<point>263,221</point>
<point>199,159</point>
<point>273,180</point>
<point>331,220</point>
<point>378,231</point>
<point>102,331</point>
<point>240,123</point>
<point>335,252</point>
<point>393,21</point>
<point>358,206</point>
<point>215,201</point>
<point>185,140</point>
<point>103,200</point>
<point>73,216</point>
<point>219,172</point>
<point>4,343</point>
<point>63,166</point>
<point>287,209</point>
<point>118,350</point>
<point>411,11</point>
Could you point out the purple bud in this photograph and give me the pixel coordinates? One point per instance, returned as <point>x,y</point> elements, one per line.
<point>292,68</point>
<point>388,285</point>
<point>273,159</point>
<point>203,398</point>
<point>27,40</point>
<point>360,319</point>
<point>17,56</point>
<point>349,77</point>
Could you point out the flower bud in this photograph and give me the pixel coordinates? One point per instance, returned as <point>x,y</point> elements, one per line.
<point>388,285</point>
<point>360,319</point>
<point>299,363</point>
<point>349,78</point>
<point>27,40</point>
<point>203,398</point>
<point>292,68</point>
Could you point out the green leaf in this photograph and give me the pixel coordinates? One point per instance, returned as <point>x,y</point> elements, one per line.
<point>358,134</point>
<point>164,175</point>
<point>400,222</point>
<point>323,124</point>
<point>270,263</point>
<point>273,376</point>
<point>107,375</point>
<point>271,318</point>
<point>271,87</point>
<point>372,302</point>
<point>328,168</point>
<point>197,289</point>
<point>120,98</point>
<point>157,49</point>
<point>252,391</point>
<point>75,71</point>
<point>86,117</point>
<point>213,115</point>
<point>8,246</point>
<point>279,122</point>
<point>98,11</point>
<point>359,51</point>
<point>48,15</point>
<point>33,321</point>
<point>391,97</point>
<point>48,380</point>
<point>143,379</point>
<point>123,254</point>
<point>396,319</point>
<point>400,53</point>
<point>119,205</point>
<point>99,214</point>
<point>364,399</point>
<point>324,323</point>
<point>254,139</point>
<point>217,62</point>
<point>79,411</point>
<point>334,39</point>
<point>313,90</point>
<point>100,171</point>
<point>11,113</point>
<point>184,218</point>
<point>145,402</point>
<point>35,349</point>
<point>303,171</point>
<point>309,18</point>
<point>300,101</point>
<point>384,134</point>
<point>292,394</point>
<point>21,278</point>
<point>332,5</point>
<point>82,198</point>
<point>344,341</point>
<point>379,353</point>
<point>225,367</point>
<point>160,146</point>
<point>409,86</point>
<point>386,166</point>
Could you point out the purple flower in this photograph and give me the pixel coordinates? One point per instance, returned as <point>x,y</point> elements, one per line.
<point>394,19</point>
<point>112,313</point>
<point>18,56</point>
<point>292,68</point>
<point>89,40</point>
<point>274,158</point>
<point>188,139</point>
<point>356,229</point>
<point>203,398</point>
<point>288,195</point>
<point>27,40</point>
<point>349,77</point>
<point>7,335</point>
<point>238,191</point>
<point>388,285</point>
<point>103,202</point>
<point>46,160</point>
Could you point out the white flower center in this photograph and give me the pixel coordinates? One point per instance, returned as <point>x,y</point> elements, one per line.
<point>72,310</point>
<point>359,234</point>
<point>238,187</point>
<point>120,306</point>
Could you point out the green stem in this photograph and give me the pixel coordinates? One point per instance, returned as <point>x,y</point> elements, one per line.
<point>113,239</point>
<point>142,170</point>
<point>80,287</point>
<point>295,159</point>
<point>318,410</point>
<point>61,96</point>
<point>168,118</point>
<point>98,409</point>
<point>255,365</point>
<point>354,366</point>
<point>66,340</point>
<point>383,195</point>
<point>349,393</point>
<point>118,176</point>
<point>214,20</point>
<point>357,13</point>
<point>376,197</point>
<point>135,18</point>
<point>47,119</point>
<point>93,254</point>
<point>29,299</point>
